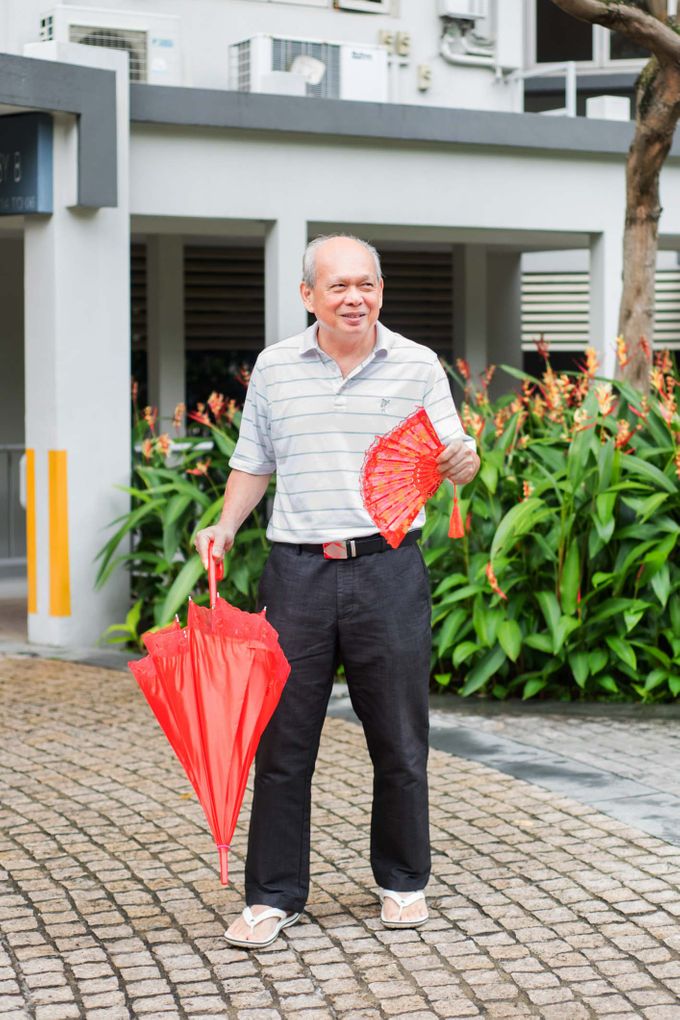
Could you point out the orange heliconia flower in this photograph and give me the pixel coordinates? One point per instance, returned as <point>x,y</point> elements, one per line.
<point>200,415</point>
<point>605,398</point>
<point>472,421</point>
<point>147,449</point>
<point>216,403</point>
<point>542,347</point>
<point>243,376</point>
<point>178,417</point>
<point>200,469</point>
<point>668,406</point>
<point>592,363</point>
<point>624,433</point>
<point>662,361</point>
<point>500,419</point>
<point>150,416</point>
<point>677,456</point>
<point>491,578</point>
<point>230,411</point>
<point>581,420</point>
<point>163,444</point>
<point>527,490</point>
<point>622,352</point>
<point>464,368</point>
<point>645,347</point>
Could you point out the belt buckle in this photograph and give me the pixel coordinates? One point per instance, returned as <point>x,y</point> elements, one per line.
<point>335,551</point>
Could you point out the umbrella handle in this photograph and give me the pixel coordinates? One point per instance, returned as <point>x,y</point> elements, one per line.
<point>215,574</point>
<point>223,849</point>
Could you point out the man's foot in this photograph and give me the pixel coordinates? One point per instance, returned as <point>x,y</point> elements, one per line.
<point>403,910</point>
<point>249,932</point>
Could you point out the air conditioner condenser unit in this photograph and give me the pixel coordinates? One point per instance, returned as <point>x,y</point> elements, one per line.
<point>331,70</point>
<point>151,40</point>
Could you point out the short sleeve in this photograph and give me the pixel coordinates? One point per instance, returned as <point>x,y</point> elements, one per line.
<point>439,405</point>
<point>254,452</point>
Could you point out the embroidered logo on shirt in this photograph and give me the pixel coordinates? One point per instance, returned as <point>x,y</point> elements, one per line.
<point>383,403</point>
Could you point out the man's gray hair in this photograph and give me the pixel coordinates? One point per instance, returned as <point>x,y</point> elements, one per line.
<point>309,258</point>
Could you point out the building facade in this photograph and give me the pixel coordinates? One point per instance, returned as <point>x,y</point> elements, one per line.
<point>186,151</point>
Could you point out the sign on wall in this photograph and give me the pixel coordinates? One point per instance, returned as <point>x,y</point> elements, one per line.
<point>25,164</point>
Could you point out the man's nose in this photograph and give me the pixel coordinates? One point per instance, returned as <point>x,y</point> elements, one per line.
<point>354,296</point>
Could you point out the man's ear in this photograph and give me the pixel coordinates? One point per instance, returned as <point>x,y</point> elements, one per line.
<point>382,291</point>
<point>306,295</point>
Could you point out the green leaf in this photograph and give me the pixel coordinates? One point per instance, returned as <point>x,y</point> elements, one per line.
<point>542,642</point>
<point>239,576</point>
<point>517,521</point>
<point>608,683</point>
<point>489,475</point>
<point>636,466</point>
<point>510,638</point>
<point>443,679</point>
<point>656,677</point>
<point>550,608</point>
<point>463,651</point>
<point>659,555</point>
<point>449,582</point>
<point>605,504</point>
<point>571,578</point>
<point>674,685</point>
<point>661,583</point>
<point>179,591</point>
<point>623,650</point>
<point>597,660</point>
<point>565,626</point>
<point>489,664</point>
<point>449,631</point>
<point>580,667</point>
<point>616,607</point>
<point>532,687</point>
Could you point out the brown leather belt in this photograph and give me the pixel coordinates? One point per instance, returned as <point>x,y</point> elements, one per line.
<point>349,548</point>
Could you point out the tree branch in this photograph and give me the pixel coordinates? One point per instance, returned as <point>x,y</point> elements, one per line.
<point>643,28</point>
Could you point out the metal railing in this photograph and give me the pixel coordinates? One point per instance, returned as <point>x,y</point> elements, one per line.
<point>568,68</point>
<point>12,513</point>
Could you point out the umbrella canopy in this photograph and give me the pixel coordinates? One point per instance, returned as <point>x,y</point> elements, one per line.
<point>400,474</point>
<point>213,686</point>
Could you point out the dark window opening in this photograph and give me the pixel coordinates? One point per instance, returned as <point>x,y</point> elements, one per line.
<point>560,36</point>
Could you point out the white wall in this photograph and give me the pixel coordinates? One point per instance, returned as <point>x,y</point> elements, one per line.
<point>208,27</point>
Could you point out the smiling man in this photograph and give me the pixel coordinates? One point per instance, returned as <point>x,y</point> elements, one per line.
<point>334,589</point>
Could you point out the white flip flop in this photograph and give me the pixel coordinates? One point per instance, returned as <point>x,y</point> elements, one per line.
<point>402,900</point>
<point>251,919</point>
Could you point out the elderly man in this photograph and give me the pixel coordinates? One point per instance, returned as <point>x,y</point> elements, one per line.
<point>315,403</point>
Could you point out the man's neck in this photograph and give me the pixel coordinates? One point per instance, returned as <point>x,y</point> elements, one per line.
<point>347,349</point>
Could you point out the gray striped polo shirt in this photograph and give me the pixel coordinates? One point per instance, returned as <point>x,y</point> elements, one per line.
<point>311,426</point>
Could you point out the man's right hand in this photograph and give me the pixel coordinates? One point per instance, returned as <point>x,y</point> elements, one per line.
<point>222,536</point>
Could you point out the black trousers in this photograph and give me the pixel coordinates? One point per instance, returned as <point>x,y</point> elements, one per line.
<point>371,613</point>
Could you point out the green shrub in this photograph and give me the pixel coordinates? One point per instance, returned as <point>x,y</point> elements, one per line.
<point>567,582</point>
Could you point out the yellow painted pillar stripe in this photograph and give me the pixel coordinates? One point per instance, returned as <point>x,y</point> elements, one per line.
<point>31,547</point>
<point>60,583</point>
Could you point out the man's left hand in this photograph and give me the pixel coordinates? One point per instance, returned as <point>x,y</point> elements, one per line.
<point>458,462</point>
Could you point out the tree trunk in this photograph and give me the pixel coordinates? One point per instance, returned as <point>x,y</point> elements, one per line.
<point>658,96</point>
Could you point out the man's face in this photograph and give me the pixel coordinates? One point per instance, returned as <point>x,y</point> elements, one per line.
<point>347,295</point>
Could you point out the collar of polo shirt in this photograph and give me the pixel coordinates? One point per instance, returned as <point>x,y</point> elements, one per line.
<point>383,343</point>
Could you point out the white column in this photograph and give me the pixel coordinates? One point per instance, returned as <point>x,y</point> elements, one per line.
<point>165,324</point>
<point>285,243</point>
<point>77,343</point>
<point>606,273</point>
<point>470,306</point>
<point>504,314</point>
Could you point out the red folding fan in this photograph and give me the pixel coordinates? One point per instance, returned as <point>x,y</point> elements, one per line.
<point>400,474</point>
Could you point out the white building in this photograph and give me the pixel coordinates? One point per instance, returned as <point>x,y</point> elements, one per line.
<point>249,126</point>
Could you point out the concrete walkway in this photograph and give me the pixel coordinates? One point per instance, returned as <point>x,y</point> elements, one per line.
<point>541,904</point>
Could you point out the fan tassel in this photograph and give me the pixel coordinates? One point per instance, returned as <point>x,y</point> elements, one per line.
<point>456,529</point>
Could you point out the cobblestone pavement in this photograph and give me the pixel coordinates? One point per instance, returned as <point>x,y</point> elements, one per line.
<point>111,908</point>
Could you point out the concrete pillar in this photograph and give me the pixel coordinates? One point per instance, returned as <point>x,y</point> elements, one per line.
<point>470,306</point>
<point>285,243</point>
<point>77,344</point>
<point>504,315</point>
<point>606,273</point>
<point>165,325</point>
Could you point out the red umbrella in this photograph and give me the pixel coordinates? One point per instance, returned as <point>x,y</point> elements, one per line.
<point>400,474</point>
<point>213,686</point>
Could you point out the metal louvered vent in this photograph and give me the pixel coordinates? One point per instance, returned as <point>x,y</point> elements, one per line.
<point>284,52</point>
<point>419,297</point>
<point>557,306</point>
<point>133,42</point>
<point>224,298</point>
